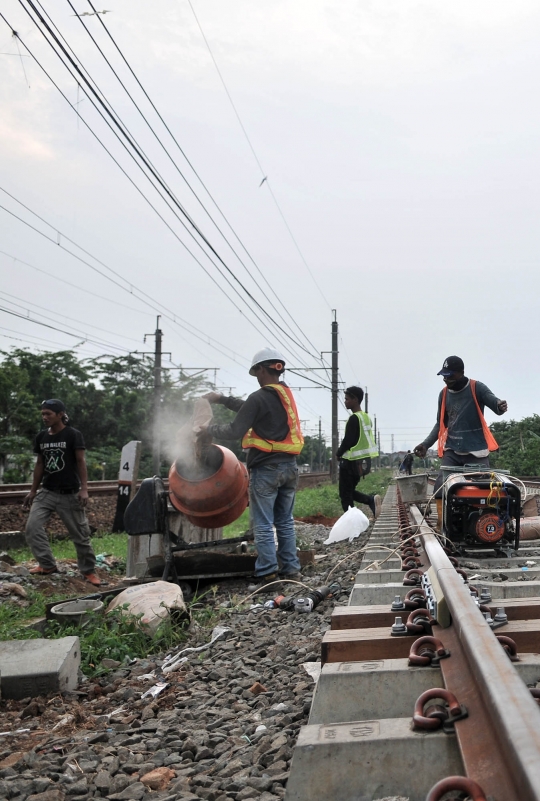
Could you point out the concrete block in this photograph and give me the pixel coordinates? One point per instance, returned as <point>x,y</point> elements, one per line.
<point>38,667</point>
<point>511,589</point>
<point>386,688</point>
<point>369,759</point>
<point>368,594</point>
<point>348,691</point>
<point>380,576</point>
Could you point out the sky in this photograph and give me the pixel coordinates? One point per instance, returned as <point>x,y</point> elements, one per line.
<point>399,143</point>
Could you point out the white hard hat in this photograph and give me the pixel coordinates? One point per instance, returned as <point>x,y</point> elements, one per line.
<point>267,355</point>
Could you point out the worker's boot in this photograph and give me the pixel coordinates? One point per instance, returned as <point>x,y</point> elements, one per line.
<point>438,502</point>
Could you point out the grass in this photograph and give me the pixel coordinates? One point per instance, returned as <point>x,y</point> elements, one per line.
<point>323,500</point>
<point>114,544</point>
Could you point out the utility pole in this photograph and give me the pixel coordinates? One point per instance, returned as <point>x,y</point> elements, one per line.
<point>366,398</point>
<point>156,432</point>
<point>378,461</point>
<point>335,431</point>
<point>379,444</point>
<point>320,447</point>
<point>392,443</point>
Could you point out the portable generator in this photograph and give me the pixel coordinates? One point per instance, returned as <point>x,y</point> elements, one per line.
<point>481,511</point>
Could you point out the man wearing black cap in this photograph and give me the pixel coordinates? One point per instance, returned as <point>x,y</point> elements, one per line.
<point>461,430</point>
<point>355,452</point>
<point>62,466</point>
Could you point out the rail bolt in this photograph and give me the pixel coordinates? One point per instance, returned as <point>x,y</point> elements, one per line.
<point>436,715</point>
<point>500,616</point>
<point>413,577</point>
<point>399,629</point>
<point>420,622</point>
<point>459,784</point>
<point>427,651</point>
<point>397,604</point>
<point>509,646</point>
<point>485,595</point>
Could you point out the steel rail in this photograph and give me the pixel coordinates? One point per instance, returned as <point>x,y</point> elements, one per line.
<point>500,740</point>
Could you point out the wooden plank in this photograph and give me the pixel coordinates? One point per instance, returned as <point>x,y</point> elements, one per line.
<point>380,615</point>
<point>359,645</point>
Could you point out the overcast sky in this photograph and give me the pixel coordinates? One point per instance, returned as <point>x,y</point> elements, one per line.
<point>399,138</point>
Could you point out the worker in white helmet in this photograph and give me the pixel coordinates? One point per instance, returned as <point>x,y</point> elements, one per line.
<point>268,425</point>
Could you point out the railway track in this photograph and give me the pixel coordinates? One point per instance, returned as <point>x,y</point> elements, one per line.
<point>407,707</point>
<point>15,493</point>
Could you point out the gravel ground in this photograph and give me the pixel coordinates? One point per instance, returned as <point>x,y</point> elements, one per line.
<point>224,729</point>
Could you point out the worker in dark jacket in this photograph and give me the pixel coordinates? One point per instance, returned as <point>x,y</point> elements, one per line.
<point>407,463</point>
<point>461,430</point>
<point>355,452</point>
<point>269,427</point>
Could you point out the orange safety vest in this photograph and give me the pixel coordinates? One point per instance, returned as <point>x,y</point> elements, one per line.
<point>491,442</point>
<point>293,442</point>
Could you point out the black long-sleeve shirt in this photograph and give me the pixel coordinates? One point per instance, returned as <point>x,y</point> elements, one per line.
<point>351,436</point>
<point>262,411</point>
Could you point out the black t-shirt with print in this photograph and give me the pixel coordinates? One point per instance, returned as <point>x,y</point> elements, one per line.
<point>59,459</point>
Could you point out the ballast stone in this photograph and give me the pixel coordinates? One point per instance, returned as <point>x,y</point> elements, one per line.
<point>29,668</point>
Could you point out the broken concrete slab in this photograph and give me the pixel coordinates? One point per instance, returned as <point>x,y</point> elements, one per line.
<point>29,668</point>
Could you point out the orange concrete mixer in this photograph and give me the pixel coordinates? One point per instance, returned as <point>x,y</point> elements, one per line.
<point>215,493</point>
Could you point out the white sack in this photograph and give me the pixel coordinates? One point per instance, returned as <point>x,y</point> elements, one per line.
<point>350,525</point>
<point>152,601</point>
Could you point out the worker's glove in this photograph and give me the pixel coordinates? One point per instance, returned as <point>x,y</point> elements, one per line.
<point>420,450</point>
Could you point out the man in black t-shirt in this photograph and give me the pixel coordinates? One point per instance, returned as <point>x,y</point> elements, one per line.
<point>62,466</point>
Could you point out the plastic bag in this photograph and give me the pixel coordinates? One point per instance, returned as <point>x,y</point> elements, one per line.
<point>152,601</point>
<point>349,526</point>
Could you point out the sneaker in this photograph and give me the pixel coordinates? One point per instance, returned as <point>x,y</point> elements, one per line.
<point>272,579</point>
<point>42,571</point>
<point>93,579</point>
<point>375,505</point>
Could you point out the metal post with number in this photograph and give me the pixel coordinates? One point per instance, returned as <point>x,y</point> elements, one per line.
<point>127,480</point>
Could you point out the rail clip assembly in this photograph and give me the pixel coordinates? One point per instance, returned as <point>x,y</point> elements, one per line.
<point>437,716</point>
<point>435,600</point>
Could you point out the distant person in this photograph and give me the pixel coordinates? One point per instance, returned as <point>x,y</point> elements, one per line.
<point>461,430</point>
<point>354,454</point>
<point>62,466</point>
<point>269,427</point>
<point>408,463</point>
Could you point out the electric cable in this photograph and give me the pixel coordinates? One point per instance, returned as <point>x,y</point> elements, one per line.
<point>55,328</point>
<point>263,173</point>
<point>170,197</point>
<point>83,23</point>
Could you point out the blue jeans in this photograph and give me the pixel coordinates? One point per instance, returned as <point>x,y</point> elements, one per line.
<point>272,489</point>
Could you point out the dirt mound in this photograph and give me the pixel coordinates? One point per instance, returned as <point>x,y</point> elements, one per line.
<point>318,520</point>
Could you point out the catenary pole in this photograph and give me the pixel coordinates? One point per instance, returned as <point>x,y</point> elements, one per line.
<point>335,432</point>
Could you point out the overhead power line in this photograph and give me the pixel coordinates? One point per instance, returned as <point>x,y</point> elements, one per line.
<point>121,132</point>
<point>264,174</point>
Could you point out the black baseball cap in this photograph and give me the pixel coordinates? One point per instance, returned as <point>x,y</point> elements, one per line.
<point>453,364</point>
<point>54,405</point>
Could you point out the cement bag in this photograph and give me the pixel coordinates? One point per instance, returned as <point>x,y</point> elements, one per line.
<point>529,528</point>
<point>152,601</point>
<point>350,525</point>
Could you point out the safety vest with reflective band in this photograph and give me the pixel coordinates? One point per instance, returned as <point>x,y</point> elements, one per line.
<point>491,442</point>
<point>293,442</point>
<point>366,444</point>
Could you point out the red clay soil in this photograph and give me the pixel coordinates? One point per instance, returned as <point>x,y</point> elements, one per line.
<point>318,520</point>
<point>100,513</point>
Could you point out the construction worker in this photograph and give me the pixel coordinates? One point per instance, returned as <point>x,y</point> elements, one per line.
<point>407,463</point>
<point>355,452</point>
<point>268,424</point>
<point>461,430</point>
<point>61,464</point>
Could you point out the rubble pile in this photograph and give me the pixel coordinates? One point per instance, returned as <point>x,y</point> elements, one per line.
<point>222,729</point>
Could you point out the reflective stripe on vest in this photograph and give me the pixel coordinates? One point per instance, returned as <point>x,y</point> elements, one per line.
<point>491,442</point>
<point>366,444</point>
<point>293,442</point>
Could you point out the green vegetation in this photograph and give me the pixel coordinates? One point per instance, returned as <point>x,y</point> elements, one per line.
<point>323,500</point>
<point>110,544</point>
<point>519,444</point>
